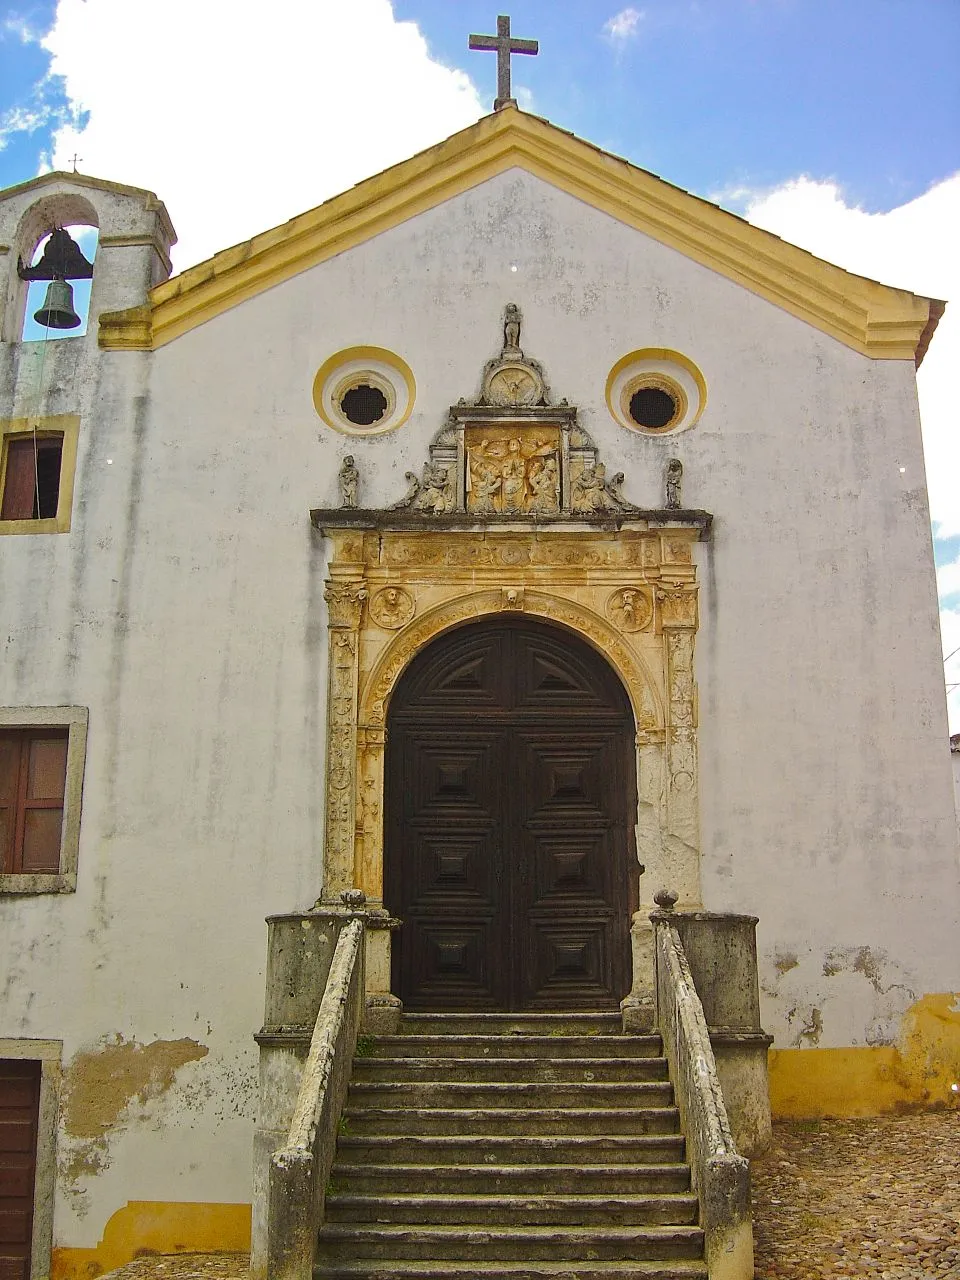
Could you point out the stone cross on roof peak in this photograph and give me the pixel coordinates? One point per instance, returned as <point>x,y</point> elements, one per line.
<point>504,46</point>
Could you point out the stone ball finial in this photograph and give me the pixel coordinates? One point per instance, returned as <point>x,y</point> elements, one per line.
<point>354,899</point>
<point>666,899</point>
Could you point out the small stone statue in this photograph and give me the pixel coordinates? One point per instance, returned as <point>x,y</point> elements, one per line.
<point>674,479</point>
<point>348,480</point>
<point>435,494</point>
<point>511,330</point>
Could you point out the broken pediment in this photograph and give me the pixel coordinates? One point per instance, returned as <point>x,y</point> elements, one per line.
<point>510,456</point>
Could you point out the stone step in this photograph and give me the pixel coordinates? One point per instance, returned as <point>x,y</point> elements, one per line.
<point>522,1149</point>
<point>507,1244</point>
<point>545,1121</point>
<point>526,1024</point>
<point>372,1269</point>
<point>513,1179</point>
<point>521,1046</point>
<point>497,1095</point>
<point>548,1070</point>
<point>515,1210</point>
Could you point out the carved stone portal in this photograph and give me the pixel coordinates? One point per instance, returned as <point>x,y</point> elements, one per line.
<point>514,511</point>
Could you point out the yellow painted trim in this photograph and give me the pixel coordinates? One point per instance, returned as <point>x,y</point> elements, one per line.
<point>874,319</point>
<point>347,356</point>
<point>144,1227</point>
<point>915,1074</point>
<point>67,425</point>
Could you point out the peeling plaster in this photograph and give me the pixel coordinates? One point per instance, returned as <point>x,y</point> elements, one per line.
<point>101,1082</point>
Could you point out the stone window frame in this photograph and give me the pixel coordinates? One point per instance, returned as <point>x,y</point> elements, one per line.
<point>66,425</point>
<point>75,720</point>
<point>49,1053</point>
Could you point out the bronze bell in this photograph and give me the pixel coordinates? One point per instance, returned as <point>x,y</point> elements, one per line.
<point>57,311</point>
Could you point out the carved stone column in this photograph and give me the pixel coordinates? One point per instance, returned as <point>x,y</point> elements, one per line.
<point>345,600</point>
<point>681,865</point>
<point>638,1008</point>
<point>368,854</point>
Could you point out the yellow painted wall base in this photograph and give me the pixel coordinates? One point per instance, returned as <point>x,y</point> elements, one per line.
<point>916,1074</point>
<point>157,1226</point>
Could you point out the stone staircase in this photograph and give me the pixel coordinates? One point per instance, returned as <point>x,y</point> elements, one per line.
<point>523,1146</point>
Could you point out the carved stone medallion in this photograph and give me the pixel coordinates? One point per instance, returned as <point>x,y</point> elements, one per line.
<point>513,383</point>
<point>392,608</point>
<point>630,609</point>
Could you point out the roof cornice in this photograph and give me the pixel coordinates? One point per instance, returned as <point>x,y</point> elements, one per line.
<point>872,318</point>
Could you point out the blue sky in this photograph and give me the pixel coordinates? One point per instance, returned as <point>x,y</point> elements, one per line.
<point>716,96</point>
<point>731,93</point>
<point>835,123</point>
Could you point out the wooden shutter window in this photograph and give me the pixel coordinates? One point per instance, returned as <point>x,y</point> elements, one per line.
<point>31,484</point>
<point>33,771</point>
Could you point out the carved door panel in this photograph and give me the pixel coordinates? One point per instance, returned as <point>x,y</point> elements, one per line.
<point>447,801</point>
<point>510,790</point>
<point>571,890</point>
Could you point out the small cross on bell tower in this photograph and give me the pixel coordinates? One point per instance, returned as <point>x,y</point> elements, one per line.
<point>504,46</point>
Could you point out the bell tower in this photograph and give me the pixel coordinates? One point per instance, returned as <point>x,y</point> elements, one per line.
<point>133,255</point>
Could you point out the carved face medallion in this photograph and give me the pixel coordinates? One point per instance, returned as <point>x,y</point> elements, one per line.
<point>392,608</point>
<point>630,608</point>
<point>513,384</point>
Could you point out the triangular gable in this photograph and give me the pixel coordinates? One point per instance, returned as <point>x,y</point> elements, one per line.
<point>872,318</point>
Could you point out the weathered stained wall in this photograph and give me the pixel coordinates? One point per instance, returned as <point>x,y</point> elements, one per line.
<point>185,609</point>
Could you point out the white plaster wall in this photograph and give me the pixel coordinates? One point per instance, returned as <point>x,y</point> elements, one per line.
<point>185,609</point>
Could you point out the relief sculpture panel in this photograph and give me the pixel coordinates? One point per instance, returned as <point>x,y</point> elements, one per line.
<point>512,469</point>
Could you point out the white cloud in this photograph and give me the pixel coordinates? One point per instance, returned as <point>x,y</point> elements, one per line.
<point>241,117</point>
<point>623,26</point>
<point>22,120</point>
<point>912,247</point>
<point>948,578</point>
<point>19,26</point>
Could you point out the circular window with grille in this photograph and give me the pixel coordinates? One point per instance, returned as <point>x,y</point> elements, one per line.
<point>656,392</point>
<point>364,391</point>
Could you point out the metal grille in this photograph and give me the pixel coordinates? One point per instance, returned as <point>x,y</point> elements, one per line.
<point>652,407</point>
<point>364,405</point>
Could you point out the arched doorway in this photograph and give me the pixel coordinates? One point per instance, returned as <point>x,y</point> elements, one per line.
<point>510,797</point>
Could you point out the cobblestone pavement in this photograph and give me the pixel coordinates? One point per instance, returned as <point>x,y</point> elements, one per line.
<point>869,1198</point>
<point>876,1199</point>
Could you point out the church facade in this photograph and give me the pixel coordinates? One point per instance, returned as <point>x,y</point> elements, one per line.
<point>513,475</point>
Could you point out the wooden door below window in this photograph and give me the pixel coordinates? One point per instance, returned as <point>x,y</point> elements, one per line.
<point>19,1115</point>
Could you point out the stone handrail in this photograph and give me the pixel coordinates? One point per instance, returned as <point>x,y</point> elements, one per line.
<point>721,1176</point>
<point>300,1169</point>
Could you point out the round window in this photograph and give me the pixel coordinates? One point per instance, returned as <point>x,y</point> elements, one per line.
<point>656,392</point>
<point>364,391</point>
<point>363,405</point>
<point>653,407</point>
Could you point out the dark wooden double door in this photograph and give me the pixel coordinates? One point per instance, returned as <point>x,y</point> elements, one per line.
<point>510,800</point>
